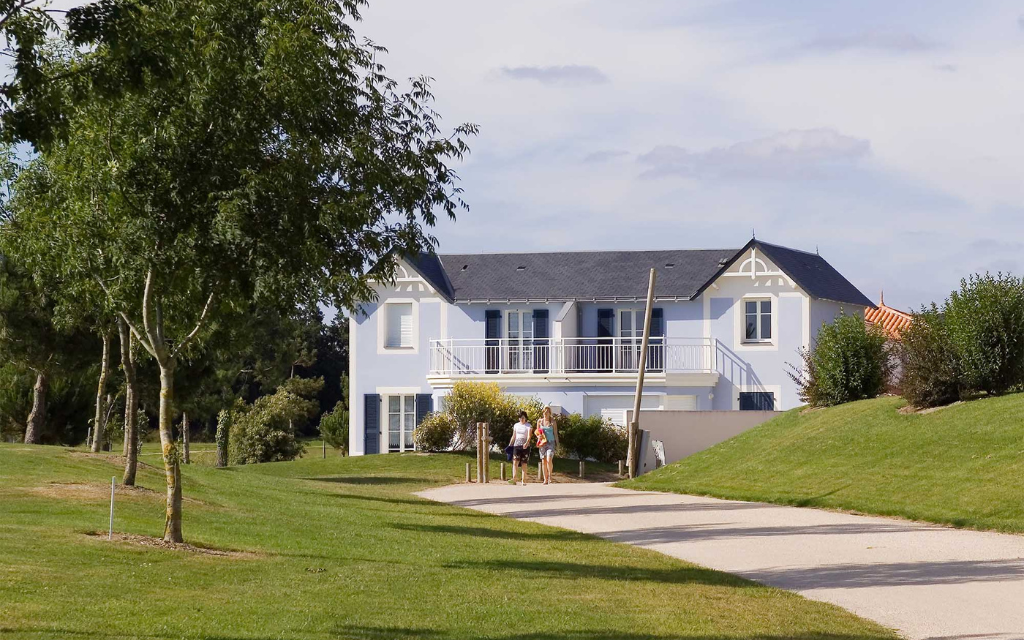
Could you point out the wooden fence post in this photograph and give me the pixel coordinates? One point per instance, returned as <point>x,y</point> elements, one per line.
<point>503,472</point>
<point>620,468</point>
<point>468,478</point>
<point>540,470</point>
<point>487,453</point>
<point>583,467</point>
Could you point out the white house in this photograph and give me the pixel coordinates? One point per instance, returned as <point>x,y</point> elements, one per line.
<point>566,327</point>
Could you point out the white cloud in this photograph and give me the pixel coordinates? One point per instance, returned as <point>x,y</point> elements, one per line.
<point>564,75</point>
<point>605,155</point>
<point>795,153</point>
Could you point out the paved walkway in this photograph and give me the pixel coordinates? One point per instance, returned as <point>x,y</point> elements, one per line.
<point>926,581</point>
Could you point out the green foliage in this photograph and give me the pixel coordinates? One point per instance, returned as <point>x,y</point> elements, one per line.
<point>15,401</point>
<point>985,326</point>
<point>265,430</point>
<point>334,427</point>
<point>223,436</point>
<point>851,360</point>
<point>437,432</point>
<point>471,402</point>
<point>929,368</point>
<point>591,438</point>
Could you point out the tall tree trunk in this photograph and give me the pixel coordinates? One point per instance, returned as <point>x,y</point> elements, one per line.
<point>131,406</point>
<point>185,435</point>
<point>99,424</point>
<point>37,417</point>
<point>172,470</point>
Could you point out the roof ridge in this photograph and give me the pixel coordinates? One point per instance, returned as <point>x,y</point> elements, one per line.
<point>551,253</point>
<point>779,246</point>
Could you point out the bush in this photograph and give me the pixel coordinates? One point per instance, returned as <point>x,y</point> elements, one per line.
<point>437,432</point>
<point>265,430</point>
<point>985,327</point>
<point>590,438</point>
<point>334,427</point>
<point>471,402</point>
<point>851,360</point>
<point>929,368</point>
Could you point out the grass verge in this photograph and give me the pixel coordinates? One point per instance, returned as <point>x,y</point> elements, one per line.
<point>341,548</point>
<point>962,465</point>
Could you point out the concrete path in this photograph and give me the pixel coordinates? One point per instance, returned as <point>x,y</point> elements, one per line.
<point>925,581</point>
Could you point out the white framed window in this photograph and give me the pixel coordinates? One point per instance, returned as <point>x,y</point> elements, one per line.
<point>401,422</point>
<point>398,329</point>
<point>519,334</point>
<point>757,320</point>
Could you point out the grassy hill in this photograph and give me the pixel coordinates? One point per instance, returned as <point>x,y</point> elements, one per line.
<point>961,465</point>
<point>341,548</point>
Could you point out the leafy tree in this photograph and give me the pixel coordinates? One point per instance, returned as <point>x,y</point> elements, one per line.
<point>850,360</point>
<point>984,321</point>
<point>334,427</point>
<point>267,159</point>
<point>264,431</point>
<point>929,369</point>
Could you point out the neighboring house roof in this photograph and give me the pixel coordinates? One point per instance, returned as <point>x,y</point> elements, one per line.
<point>892,320</point>
<point>617,275</point>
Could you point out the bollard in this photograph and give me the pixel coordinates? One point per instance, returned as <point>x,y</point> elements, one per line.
<point>582,468</point>
<point>468,479</point>
<point>110,531</point>
<point>540,470</point>
<point>620,468</point>
<point>503,472</point>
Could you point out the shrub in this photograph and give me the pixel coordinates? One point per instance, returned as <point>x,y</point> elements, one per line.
<point>471,402</point>
<point>851,360</point>
<point>929,368</point>
<point>265,430</point>
<point>590,438</point>
<point>437,432</point>
<point>985,327</point>
<point>334,427</point>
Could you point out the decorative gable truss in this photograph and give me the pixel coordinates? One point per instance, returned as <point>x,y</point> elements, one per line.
<point>761,271</point>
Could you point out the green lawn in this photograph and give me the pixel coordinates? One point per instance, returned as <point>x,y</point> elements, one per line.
<point>340,548</point>
<point>961,465</point>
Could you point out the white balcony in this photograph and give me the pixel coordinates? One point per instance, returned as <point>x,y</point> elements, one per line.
<point>677,360</point>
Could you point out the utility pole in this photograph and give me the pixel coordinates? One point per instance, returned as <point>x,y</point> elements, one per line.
<point>634,425</point>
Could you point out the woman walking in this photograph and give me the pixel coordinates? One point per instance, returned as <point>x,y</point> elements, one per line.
<point>547,437</point>
<point>520,443</point>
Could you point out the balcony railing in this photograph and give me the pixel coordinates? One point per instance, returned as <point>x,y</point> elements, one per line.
<point>544,356</point>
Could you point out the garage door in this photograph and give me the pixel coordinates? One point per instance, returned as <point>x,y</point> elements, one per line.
<point>680,403</point>
<point>614,407</point>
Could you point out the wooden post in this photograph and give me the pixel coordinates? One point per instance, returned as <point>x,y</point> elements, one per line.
<point>88,438</point>
<point>325,449</point>
<point>479,452</point>
<point>503,472</point>
<point>110,531</point>
<point>540,470</point>
<point>634,425</point>
<point>620,468</point>
<point>487,453</point>
<point>468,478</point>
<point>583,468</point>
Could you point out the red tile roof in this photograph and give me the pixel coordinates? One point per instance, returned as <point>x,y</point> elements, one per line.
<point>892,320</point>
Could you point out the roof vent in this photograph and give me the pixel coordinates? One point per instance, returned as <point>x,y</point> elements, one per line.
<point>723,262</point>
<point>520,268</point>
<point>464,267</point>
<point>669,265</point>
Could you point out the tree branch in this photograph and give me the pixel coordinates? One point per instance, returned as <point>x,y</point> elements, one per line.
<point>158,350</point>
<point>125,319</point>
<point>199,325</point>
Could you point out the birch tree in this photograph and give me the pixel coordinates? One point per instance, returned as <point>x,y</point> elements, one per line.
<point>268,160</point>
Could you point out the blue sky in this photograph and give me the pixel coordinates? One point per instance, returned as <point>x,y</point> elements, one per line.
<point>890,138</point>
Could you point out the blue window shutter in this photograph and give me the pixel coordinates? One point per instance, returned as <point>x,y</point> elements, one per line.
<point>541,343</point>
<point>757,401</point>
<point>371,423</point>
<point>492,343</point>
<point>656,347</point>
<point>605,323</point>
<point>424,405</point>
<point>657,322</point>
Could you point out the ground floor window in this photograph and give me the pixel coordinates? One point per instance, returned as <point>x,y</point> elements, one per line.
<point>757,401</point>
<point>401,422</point>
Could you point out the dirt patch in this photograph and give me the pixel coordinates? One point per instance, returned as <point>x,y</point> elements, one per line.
<point>909,410</point>
<point>83,491</point>
<point>160,543</point>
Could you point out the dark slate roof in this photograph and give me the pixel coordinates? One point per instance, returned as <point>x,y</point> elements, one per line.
<point>580,275</point>
<point>814,275</point>
<point>617,275</point>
